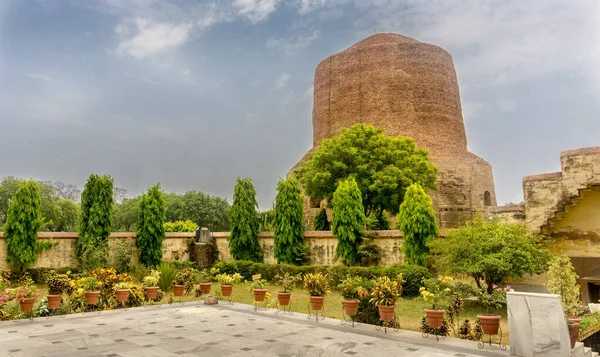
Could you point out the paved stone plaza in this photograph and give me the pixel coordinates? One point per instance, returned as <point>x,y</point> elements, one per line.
<point>195,329</point>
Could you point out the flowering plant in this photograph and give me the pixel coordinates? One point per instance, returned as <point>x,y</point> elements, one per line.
<point>23,292</point>
<point>436,290</point>
<point>353,288</point>
<point>491,298</point>
<point>57,283</point>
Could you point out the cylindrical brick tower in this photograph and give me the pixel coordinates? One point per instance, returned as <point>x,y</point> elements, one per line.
<point>408,88</point>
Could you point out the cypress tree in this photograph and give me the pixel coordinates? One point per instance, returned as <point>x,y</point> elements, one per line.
<point>418,223</point>
<point>96,221</point>
<point>289,222</point>
<point>348,220</point>
<point>321,223</point>
<point>23,221</point>
<point>151,227</point>
<point>243,218</point>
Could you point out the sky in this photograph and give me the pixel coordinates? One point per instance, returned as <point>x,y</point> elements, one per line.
<point>194,94</point>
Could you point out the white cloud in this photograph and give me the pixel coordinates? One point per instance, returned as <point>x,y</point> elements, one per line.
<point>282,81</point>
<point>290,46</point>
<point>255,10</point>
<point>151,38</point>
<point>307,6</point>
<point>39,76</point>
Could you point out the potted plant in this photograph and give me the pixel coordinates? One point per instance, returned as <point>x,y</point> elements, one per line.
<point>384,294</point>
<point>122,291</point>
<point>287,282</point>
<point>92,291</point>
<point>227,281</point>
<point>436,290</point>
<point>494,299</point>
<point>26,296</point>
<point>317,285</point>
<point>150,283</point>
<point>352,290</point>
<point>258,289</point>
<point>205,282</point>
<point>57,284</point>
<point>185,281</point>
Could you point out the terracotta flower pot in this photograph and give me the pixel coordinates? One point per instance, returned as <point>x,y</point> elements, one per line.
<point>316,302</point>
<point>259,294</point>
<point>434,317</point>
<point>226,289</point>
<point>54,301</point>
<point>26,304</point>
<point>122,295</point>
<point>284,298</point>
<point>91,297</point>
<point>386,313</point>
<point>178,290</point>
<point>205,288</point>
<point>151,292</point>
<point>573,333</point>
<point>574,319</point>
<point>350,306</point>
<point>489,323</point>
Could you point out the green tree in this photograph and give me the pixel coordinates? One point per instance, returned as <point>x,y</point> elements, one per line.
<point>289,222</point>
<point>348,221</point>
<point>243,217</point>
<point>22,224</point>
<point>562,280</point>
<point>266,220</point>
<point>382,166</point>
<point>126,214</point>
<point>321,223</point>
<point>417,221</point>
<point>95,221</point>
<point>69,216</point>
<point>181,226</point>
<point>203,209</point>
<point>151,227</point>
<point>490,251</point>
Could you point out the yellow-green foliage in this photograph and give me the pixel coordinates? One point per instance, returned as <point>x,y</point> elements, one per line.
<point>348,221</point>
<point>562,280</point>
<point>317,284</point>
<point>181,226</point>
<point>385,291</point>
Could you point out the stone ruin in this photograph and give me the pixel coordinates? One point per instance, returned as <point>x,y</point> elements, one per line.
<point>408,88</point>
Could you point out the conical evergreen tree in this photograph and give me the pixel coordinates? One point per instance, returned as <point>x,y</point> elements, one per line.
<point>289,222</point>
<point>151,227</point>
<point>348,220</point>
<point>321,223</point>
<point>22,224</point>
<point>418,223</point>
<point>96,220</point>
<point>243,217</point>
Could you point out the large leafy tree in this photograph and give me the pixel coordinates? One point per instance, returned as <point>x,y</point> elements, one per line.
<point>321,222</point>
<point>96,219</point>
<point>490,251</point>
<point>243,217</point>
<point>69,215</point>
<point>151,227</point>
<point>348,221</point>
<point>201,208</point>
<point>126,214</point>
<point>289,222</point>
<point>22,224</point>
<point>382,166</point>
<point>418,223</point>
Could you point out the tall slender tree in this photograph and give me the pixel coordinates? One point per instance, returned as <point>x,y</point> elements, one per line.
<point>348,221</point>
<point>289,222</point>
<point>151,227</point>
<point>96,220</point>
<point>244,222</point>
<point>22,224</point>
<point>418,223</point>
<point>321,223</point>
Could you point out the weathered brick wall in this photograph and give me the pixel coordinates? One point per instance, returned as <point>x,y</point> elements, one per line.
<point>321,247</point>
<point>175,247</point>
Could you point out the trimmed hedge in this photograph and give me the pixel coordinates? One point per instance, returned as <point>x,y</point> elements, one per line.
<point>413,274</point>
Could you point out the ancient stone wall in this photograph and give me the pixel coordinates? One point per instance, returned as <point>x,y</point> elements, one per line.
<point>175,247</point>
<point>408,88</point>
<point>321,247</point>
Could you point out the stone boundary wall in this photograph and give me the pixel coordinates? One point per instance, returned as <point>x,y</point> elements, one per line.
<point>321,247</point>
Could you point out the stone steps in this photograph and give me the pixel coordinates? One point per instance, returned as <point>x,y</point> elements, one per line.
<point>581,351</point>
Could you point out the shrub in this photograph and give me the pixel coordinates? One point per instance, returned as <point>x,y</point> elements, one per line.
<point>348,221</point>
<point>151,280</point>
<point>289,223</point>
<point>123,254</point>
<point>243,240</point>
<point>187,277</point>
<point>181,226</point>
<point>317,284</point>
<point>22,224</point>
<point>57,283</point>
<point>385,291</point>
<point>321,222</point>
<point>562,280</point>
<point>151,227</point>
<point>369,253</point>
<point>167,273</point>
<point>184,264</point>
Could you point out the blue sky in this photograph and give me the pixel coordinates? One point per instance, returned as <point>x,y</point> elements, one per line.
<point>197,93</point>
